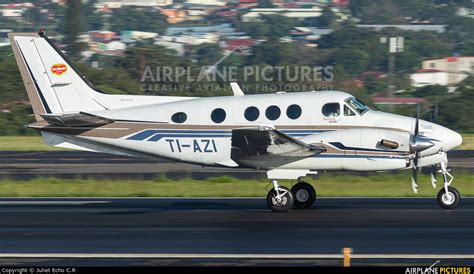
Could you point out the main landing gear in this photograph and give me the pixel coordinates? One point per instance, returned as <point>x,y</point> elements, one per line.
<point>304,194</point>
<point>448,197</point>
<point>280,199</point>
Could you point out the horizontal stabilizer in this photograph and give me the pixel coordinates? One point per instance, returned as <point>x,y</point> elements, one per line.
<point>80,119</point>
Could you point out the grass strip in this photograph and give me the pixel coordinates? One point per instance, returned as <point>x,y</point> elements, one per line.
<point>329,185</point>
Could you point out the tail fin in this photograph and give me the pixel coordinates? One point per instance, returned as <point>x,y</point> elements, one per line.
<point>54,85</point>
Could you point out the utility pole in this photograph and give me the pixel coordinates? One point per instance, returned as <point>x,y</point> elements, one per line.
<point>395,45</point>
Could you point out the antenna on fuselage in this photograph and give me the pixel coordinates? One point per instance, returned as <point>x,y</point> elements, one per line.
<point>236,89</point>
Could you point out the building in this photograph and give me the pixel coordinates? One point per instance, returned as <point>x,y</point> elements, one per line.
<point>116,4</point>
<point>192,39</point>
<point>174,16</point>
<point>243,46</point>
<point>4,41</point>
<point>300,13</point>
<point>420,27</point>
<point>446,71</point>
<point>176,46</point>
<point>426,77</point>
<point>102,36</point>
<point>112,48</point>
<point>308,33</point>
<point>247,4</point>
<point>219,3</point>
<point>129,36</point>
<point>218,29</point>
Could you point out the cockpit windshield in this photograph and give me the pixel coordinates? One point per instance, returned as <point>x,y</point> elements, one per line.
<point>358,105</point>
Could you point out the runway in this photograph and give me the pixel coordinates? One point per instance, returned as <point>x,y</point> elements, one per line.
<point>218,231</point>
<point>68,164</point>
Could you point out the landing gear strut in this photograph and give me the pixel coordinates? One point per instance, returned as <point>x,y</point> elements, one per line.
<point>304,194</point>
<point>448,197</point>
<point>279,199</point>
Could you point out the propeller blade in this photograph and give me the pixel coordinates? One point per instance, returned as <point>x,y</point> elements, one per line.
<point>435,116</point>
<point>433,176</point>
<point>414,173</point>
<point>417,119</point>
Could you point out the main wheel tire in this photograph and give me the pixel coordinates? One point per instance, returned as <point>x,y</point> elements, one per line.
<point>448,200</point>
<point>304,195</point>
<point>285,204</point>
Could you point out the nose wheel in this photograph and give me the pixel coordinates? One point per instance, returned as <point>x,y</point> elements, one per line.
<point>448,197</point>
<point>304,195</point>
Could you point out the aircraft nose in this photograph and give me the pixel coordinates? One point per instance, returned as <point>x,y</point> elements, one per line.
<point>451,139</point>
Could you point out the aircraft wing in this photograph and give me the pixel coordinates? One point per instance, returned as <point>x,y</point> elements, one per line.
<point>267,143</point>
<point>80,119</point>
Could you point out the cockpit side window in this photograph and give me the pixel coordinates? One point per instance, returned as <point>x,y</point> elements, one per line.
<point>331,109</point>
<point>360,107</point>
<point>348,111</point>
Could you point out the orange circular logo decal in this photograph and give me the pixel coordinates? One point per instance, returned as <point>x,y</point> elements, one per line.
<point>58,69</point>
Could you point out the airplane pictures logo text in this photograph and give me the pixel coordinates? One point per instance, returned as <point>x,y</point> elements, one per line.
<point>59,69</point>
<point>261,78</point>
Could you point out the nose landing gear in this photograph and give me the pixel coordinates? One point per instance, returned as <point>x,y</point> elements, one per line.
<point>448,197</point>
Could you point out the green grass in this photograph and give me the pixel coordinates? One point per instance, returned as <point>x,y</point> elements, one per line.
<point>467,142</point>
<point>30,143</point>
<point>24,143</point>
<point>328,185</point>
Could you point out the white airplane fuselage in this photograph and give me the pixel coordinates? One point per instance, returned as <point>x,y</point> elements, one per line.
<point>353,141</point>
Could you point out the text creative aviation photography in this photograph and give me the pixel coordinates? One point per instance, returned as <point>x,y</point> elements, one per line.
<point>290,135</point>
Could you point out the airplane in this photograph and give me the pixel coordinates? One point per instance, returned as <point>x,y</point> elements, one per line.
<point>288,135</point>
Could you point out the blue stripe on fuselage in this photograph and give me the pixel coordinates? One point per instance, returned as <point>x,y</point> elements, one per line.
<point>156,134</point>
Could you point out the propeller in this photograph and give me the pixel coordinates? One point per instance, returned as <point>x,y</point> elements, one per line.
<point>414,171</point>
<point>433,167</point>
<point>418,143</point>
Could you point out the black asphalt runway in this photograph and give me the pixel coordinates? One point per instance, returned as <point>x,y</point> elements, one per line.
<point>68,164</point>
<point>71,164</point>
<point>179,231</point>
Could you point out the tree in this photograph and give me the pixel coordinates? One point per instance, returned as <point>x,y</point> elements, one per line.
<point>90,16</point>
<point>432,90</point>
<point>265,4</point>
<point>354,61</point>
<point>455,110</point>
<point>273,52</point>
<point>327,19</point>
<point>132,18</point>
<point>279,25</point>
<point>207,54</point>
<point>256,29</point>
<point>72,28</point>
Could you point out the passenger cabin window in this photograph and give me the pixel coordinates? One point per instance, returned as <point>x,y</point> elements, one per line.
<point>251,114</point>
<point>348,111</point>
<point>218,115</point>
<point>179,117</point>
<point>293,112</point>
<point>273,113</point>
<point>357,105</point>
<point>331,109</point>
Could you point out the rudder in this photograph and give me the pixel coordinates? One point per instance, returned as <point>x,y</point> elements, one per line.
<point>52,82</point>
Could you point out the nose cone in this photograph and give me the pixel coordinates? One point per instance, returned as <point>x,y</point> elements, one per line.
<point>451,139</point>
